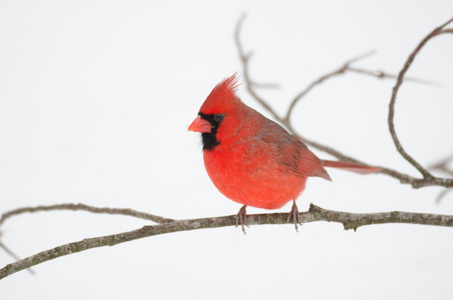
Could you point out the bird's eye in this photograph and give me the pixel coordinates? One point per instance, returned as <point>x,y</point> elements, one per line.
<point>218,118</point>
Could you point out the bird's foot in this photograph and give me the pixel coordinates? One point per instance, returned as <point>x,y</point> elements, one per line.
<point>241,218</point>
<point>294,213</point>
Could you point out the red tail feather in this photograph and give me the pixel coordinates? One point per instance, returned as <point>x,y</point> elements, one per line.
<point>356,168</point>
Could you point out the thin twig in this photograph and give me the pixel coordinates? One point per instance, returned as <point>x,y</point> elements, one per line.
<point>84,207</point>
<point>265,85</point>
<point>310,87</point>
<point>382,74</point>
<point>315,214</point>
<point>244,59</point>
<point>426,174</point>
<point>443,165</point>
<point>442,194</point>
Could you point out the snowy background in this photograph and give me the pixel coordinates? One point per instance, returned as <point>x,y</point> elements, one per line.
<point>95,101</point>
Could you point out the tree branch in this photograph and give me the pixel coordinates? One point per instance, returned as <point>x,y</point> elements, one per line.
<point>84,207</point>
<point>339,71</point>
<point>403,178</point>
<point>426,174</point>
<point>314,214</point>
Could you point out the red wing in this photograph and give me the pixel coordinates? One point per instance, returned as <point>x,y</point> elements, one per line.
<point>293,155</point>
<point>304,162</point>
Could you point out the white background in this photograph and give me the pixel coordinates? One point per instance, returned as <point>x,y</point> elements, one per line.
<point>95,101</point>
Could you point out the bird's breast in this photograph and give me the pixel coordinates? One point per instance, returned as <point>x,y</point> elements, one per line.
<point>250,173</point>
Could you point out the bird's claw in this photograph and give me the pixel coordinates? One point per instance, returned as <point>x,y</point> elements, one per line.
<point>241,218</point>
<point>294,213</point>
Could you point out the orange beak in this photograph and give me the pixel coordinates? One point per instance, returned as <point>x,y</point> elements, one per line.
<point>200,125</point>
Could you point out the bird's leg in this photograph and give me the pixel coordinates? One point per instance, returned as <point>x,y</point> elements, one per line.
<point>294,213</point>
<point>241,218</point>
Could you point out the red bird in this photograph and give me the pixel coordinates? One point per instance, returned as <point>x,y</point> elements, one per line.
<point>253,160</point>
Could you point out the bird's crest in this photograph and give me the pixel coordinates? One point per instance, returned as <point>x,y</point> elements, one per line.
<point>222,97</point>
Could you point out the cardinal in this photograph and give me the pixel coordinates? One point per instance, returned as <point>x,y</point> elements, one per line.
<point>253,160</point>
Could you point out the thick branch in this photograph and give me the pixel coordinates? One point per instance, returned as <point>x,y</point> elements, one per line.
<point>316,213</point>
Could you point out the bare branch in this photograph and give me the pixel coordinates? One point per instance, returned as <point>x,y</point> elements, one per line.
<point>245,59</point>
<point>315,83</point>
<point>315,214</point>
<point>448,30</point>
<point>265,85</point>
<point>382,74</point>
<point>84,207</point>
<point>403,178</point>
<point>340,71</point>
<point>426,174</point>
